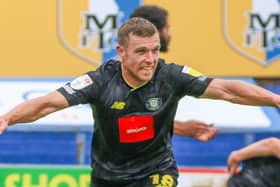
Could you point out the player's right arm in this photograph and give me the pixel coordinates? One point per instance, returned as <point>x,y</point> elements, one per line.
<point>33,109</point>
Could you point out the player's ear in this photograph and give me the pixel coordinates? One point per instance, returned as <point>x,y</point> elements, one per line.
<point>120,50</point>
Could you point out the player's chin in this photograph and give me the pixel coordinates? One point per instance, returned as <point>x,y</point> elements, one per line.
<point>146,77</point>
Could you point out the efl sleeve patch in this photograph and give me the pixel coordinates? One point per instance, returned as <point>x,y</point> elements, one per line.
<point>81,82</point>
<point>134,129</point>
<point>191,71</point>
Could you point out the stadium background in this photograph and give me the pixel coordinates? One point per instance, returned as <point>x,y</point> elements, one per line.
<point>32,50</point>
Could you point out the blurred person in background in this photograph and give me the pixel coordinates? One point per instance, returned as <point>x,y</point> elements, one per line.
<point>159,17</point>
<point>133,102</point>
<point>260,164</point>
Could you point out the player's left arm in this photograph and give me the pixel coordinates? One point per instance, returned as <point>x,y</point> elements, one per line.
<point>236,91</point>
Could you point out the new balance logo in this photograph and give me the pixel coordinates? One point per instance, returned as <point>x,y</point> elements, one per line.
<point>118,105</point>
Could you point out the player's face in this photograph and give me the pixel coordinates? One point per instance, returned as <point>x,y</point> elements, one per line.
<point>139,58</point>
<point>165,37</point>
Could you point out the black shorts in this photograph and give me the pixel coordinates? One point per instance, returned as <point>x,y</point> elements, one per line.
<point>167,178</point>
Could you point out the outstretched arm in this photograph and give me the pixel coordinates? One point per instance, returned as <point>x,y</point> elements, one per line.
<point>262,148</point>
<point>33,109</point>
<point>241,92</point>
<point>196,129</point>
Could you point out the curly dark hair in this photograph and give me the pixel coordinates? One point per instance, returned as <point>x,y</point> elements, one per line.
<point>257,172</point>
<point>155,14</point>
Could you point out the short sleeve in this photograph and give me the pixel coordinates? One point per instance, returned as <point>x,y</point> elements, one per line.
<point>187,81</point>
<point>81,90</point>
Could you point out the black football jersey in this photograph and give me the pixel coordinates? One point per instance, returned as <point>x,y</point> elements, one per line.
<point>132,126</point>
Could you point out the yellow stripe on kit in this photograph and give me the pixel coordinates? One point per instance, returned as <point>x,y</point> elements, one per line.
<point>191,71</point>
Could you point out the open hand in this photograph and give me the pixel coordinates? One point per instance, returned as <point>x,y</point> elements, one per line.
<point>196,129</point>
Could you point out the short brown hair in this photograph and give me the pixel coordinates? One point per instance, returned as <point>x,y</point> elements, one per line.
<point>137,26</point>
